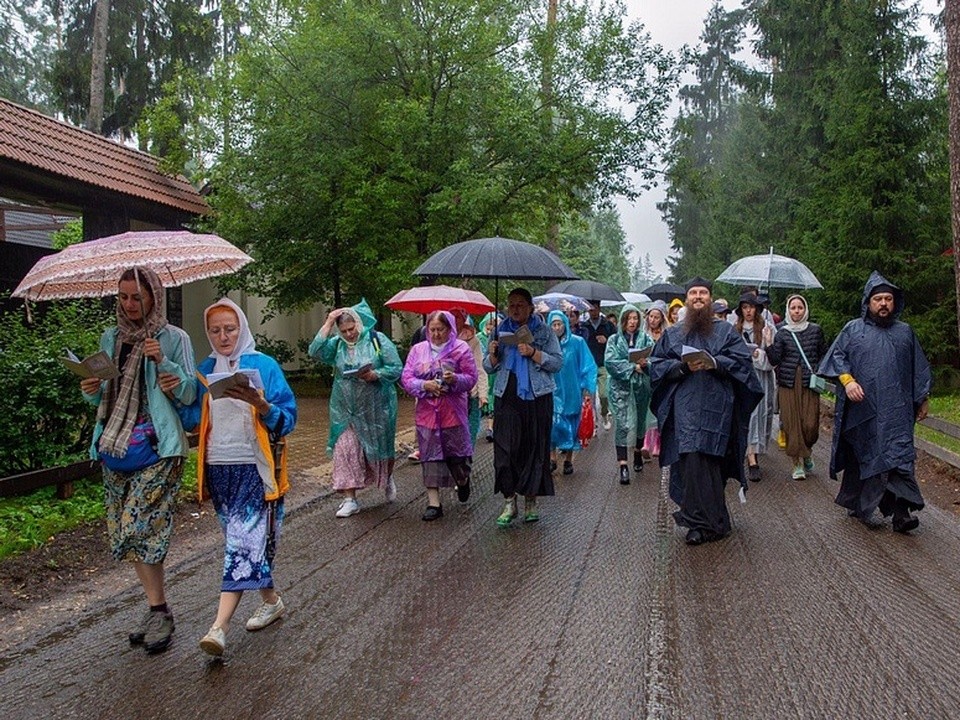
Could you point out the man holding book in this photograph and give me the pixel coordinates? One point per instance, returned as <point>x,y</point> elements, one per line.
<point>704,390</point>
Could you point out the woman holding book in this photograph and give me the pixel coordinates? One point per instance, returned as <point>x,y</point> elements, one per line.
<point>629,387</point>
<point>524,355</point>
<point>140,440</point>
<point>363,402</point>
<point>440,373</point>
<point>241,463</point>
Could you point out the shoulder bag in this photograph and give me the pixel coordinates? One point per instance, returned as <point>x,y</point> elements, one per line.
<point>817,383</point>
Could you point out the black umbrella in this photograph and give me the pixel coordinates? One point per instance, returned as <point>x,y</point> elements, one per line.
<point>495,258</point>
<point>588,290</point>
<point>665,292</point>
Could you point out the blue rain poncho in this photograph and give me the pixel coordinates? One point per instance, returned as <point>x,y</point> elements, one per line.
<point>578,374</point>
<point>371,408</point>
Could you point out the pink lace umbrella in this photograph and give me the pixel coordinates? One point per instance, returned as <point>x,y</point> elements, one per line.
<point>93,269</point>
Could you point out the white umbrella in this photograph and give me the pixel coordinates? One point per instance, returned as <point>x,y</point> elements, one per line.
<point>770,271</point>
<point>93,269</point>
<point>633,298</point>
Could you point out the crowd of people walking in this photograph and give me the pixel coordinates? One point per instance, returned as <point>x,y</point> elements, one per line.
<point>693,384</point>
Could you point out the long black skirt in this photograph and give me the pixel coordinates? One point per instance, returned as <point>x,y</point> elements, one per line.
<point>521,443</point>
<point>697,486</point>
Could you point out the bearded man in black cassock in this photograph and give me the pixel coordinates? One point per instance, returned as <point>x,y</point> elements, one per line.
<point>886,380</point>
<point>703,413</point>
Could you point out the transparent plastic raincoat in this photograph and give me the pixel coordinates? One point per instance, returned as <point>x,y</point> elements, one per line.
<point>371,408</point>
<point>628,390</point>
<point>579,373</point>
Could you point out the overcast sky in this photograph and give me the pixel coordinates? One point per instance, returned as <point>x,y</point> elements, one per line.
<point>672,24</point>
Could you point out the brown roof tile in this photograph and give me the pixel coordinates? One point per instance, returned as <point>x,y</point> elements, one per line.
<point>41,142</point>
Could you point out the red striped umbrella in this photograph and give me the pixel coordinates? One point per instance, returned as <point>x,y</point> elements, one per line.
<point>426,299</point>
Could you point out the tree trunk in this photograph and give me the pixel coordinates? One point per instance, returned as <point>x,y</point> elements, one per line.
<point>546,93</point>
<point>952,22</point>
<point>98,66</point>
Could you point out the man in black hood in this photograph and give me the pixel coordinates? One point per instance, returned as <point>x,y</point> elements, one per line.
<point>886,381</point>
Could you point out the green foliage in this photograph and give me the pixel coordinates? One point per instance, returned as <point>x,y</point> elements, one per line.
<point>46,422</point>
<point>374,134</point>
<point>595,248</point>
<point>277,348</point>
<point>69,234</point>
<point>149,45</point>
<point>29,521</point>
<point>836,156</point>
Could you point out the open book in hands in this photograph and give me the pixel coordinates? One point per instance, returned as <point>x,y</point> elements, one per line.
<point>98,365</point>
<point>691,355</point>
<point>522,335</point>
<point>357,371</point>
<point>219,383</point>
<point>638,354</point>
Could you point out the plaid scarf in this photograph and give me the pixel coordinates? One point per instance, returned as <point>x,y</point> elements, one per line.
<point>121,404</point>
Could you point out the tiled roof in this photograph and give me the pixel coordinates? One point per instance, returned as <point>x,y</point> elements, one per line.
<point>55,147</point>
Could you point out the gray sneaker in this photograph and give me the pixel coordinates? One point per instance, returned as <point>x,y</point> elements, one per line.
<point>136,637</point>
<point>159,632</point>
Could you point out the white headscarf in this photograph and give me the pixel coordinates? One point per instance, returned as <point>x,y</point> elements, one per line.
<point>245,342</point>
<point>798,326</point>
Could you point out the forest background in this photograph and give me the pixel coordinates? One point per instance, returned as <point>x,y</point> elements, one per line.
<point>344,141</point>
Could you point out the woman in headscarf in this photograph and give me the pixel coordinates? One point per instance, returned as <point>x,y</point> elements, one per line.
<point>439,373</point>
<point>758,336</point>
<point>656,325</point>
<point>487,327</point>
<point>626,363</point>
<point>140,439</point>
<point>363,402</point>
<point>797,348</point>
<point>525,364</point>
<point>576,380</point>
<point>241,463</point>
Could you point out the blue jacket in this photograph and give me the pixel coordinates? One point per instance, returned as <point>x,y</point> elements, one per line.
<point>541,376</point>
<point>177,359</point>
<point>579,371</point>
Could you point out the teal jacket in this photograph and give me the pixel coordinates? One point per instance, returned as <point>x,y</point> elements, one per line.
<point>177,359</point>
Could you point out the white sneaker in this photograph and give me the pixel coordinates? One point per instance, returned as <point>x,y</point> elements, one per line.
<point>390,490</point>
<point>606,422</point>
<point>265,615</point>
<point>214,642</point>
<point>347,508</point>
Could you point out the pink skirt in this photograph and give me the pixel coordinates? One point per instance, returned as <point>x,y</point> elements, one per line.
<point>351,471</point>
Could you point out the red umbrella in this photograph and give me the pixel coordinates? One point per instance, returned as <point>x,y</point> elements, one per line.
<point>424,300</point>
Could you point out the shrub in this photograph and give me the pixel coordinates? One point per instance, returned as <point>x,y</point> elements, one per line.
<point>46,422</point>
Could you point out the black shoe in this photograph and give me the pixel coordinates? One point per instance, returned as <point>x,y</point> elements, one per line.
<point>695,537</point>
<point>637,462</point>
<point>489,435</point>
<point>905,523</point>
<point>433,512</point>
<point>624,475</point>
<point>567,467</point>
<point>553,466</point>
<point>463,491</point>
<point>753,473</point>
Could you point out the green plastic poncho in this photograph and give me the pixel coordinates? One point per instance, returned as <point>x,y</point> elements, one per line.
<point>628,390</point>
<point>371,408</point>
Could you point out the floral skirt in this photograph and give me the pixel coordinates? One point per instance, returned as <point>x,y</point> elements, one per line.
<point>351,470</point>
<point>139,508</point>
<point>250,523</point>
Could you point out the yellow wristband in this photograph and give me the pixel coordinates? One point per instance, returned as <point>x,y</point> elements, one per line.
<point>846,379</point>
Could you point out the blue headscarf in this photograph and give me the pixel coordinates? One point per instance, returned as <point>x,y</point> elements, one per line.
<point>514,361</point>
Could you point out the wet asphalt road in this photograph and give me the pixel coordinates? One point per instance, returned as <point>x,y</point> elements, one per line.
<point>597,611</point>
